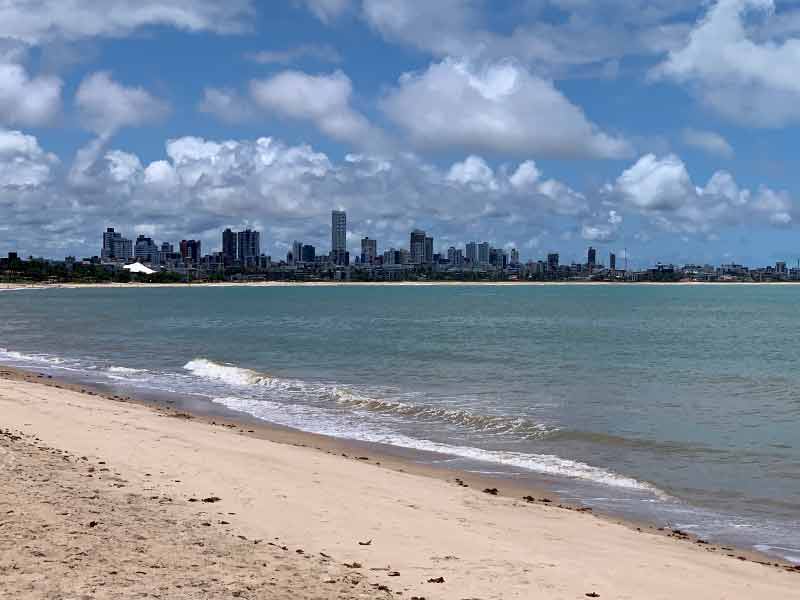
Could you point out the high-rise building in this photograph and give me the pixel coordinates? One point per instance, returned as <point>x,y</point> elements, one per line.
<point>497,258</point>
<point>297,252</point>
<point>190,251</point>
<point>116,247</point>
<point>612,261</point>
<point>428,258</point>
<point>552,261</point>
<point>416,247</point>
<point>591,258</point>
<point>146,250</point>
<point>228,246</point>
<point>339,254</point>
<point>514,256</point>
<point>780,267</point>
<point>308,253</point>
<point>472,253</point>
<point>483,253</point>
<point>248,247</point>
<point>369,251</point>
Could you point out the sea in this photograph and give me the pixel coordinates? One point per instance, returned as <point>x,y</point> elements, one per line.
<point>677,405</point>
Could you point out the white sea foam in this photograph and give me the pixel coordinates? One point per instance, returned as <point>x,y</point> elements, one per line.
<point>15,356</point>
<point>538,463</point>
<point>231,374</point>
<point>126,370</point>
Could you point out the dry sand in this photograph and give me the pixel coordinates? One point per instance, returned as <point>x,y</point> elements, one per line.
<point>398,532</point>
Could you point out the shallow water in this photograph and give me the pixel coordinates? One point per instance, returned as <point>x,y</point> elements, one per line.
<point>672,403</point>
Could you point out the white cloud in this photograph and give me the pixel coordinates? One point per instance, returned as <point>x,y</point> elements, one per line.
<point>226,104</point>
<point>708,141</point>
<point>25,100</point>
<point>526,174</point>
<point>602,231</point>
<point>747,81</point>
<point>499,108</point>
<point>474,172</point>
<point>320,52</point>
<point>661,189</point>
<point>107,106</point>
<point>44,21</point>
<point>587,38</point>
<point>656,183</point>
<point>322,99</point>
<point>23,163</point>
<point>201,186</point>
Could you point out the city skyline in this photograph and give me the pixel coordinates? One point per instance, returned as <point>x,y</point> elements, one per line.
<point>243,248</point>
<point>544,126</point>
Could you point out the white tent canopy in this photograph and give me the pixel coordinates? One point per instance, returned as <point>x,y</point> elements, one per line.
<point>138,267</point>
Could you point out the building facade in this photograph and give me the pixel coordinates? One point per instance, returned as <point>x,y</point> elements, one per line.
<point>248,247</point>
<point>339,254</point>
<point>369,251</point>
<point>146,250</point>
<point>228,246</point>
<point>483,253</point>
<point>116,247</point>
<point>416,247</point>
<point>190,251</point>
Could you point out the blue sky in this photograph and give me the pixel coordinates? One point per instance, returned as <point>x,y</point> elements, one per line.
<point>664,128</point>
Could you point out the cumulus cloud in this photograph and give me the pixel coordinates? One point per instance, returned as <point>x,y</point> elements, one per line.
<point>25,100</point>
<point>23,163</point>
<point>43,21</point>
<point>498,108</point>
<point>320,52</point>
<point>107,106</point>
<point>226,104</point>
<point>748,81</point>
<point>605,230</point>
<point>200,186</point>
<point>321,99</point>
<point>662,190</point>
<point>709,142</point>
<point>606,31</point>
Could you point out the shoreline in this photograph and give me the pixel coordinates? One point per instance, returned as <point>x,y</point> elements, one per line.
<point>289,284</point>
<point>415,462</point>
<point>370,524</point>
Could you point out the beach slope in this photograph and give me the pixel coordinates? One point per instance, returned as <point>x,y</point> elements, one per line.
<point>112,499</point>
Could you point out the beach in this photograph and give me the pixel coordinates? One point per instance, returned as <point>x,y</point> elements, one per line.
<point>116,499</point>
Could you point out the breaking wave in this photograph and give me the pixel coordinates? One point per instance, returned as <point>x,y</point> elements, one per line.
<point>324,397</point>
<point>484,423</point>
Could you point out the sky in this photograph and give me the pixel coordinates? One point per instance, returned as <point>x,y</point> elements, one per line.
<point>662,130</point>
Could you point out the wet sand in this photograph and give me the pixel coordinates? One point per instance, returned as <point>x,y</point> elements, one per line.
<point>365,529</point>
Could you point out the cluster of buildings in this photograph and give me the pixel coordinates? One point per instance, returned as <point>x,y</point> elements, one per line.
<point>240,257</point>
<point>240,249</point>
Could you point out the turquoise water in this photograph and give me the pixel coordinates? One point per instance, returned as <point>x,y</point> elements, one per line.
<point>678,404</point>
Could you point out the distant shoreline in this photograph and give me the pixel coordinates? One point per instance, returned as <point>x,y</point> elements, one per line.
<point>25,286</point>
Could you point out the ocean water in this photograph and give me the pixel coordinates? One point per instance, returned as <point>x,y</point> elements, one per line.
<point>675,404</point>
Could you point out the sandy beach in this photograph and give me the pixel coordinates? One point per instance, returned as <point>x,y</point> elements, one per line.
<point>110,499</point>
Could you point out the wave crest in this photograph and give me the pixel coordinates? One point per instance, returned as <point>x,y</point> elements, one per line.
<point>476,422</point>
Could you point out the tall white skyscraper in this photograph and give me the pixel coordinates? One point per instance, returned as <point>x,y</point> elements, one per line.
<point>339,237</point>
<point>297,252</point>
